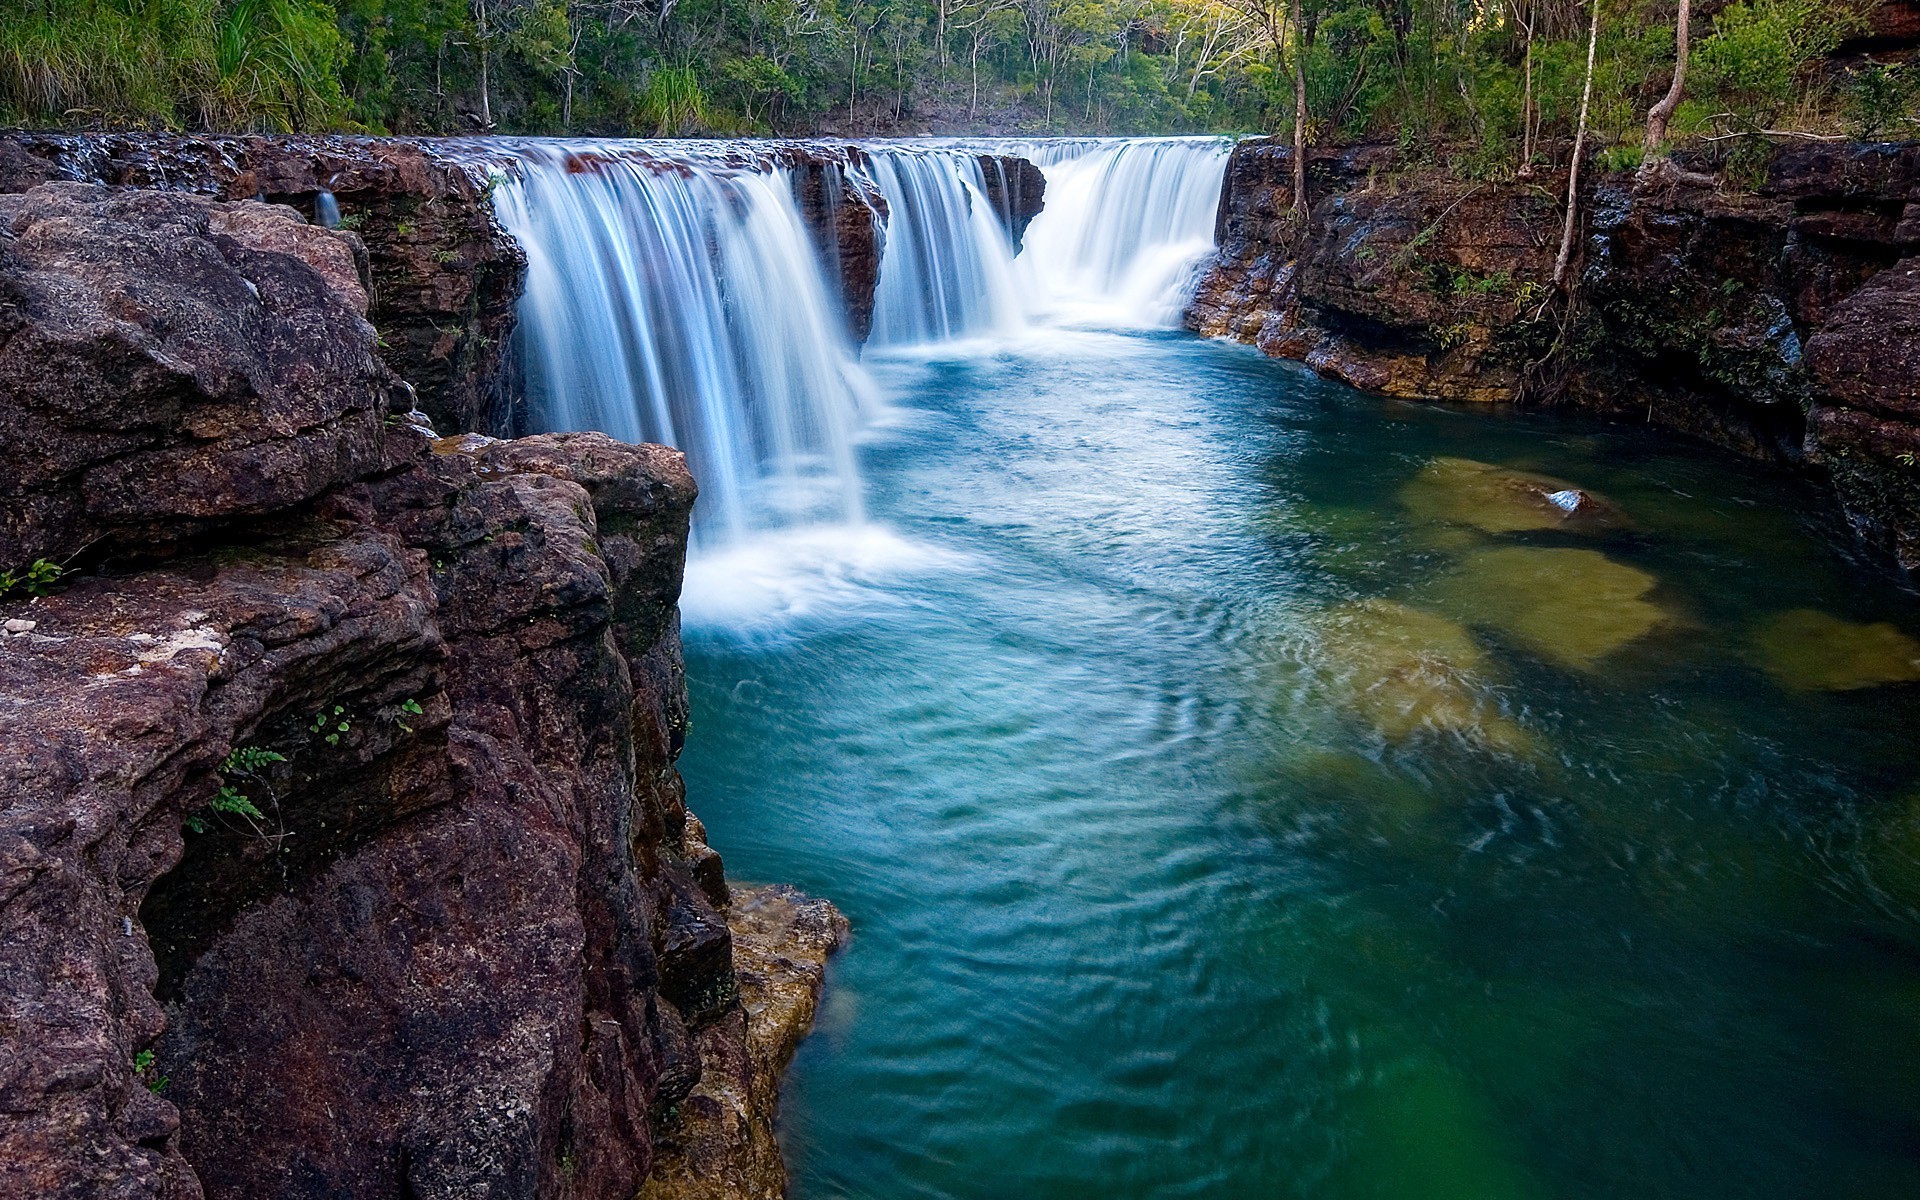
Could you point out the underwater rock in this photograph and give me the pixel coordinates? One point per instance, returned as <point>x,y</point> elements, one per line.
<point>1496,499</point>
<point>1807,651</point>
<point>1572,607</point>
<point>1405,671</point>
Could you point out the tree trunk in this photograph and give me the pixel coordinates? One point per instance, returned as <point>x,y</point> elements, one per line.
<point>1526,103</point>
<point>1662,113</point>
<point>486,100</point>
<point>1299,126</point>
<point>1579,153</point>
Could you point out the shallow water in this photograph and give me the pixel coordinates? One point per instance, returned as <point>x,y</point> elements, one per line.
<point>1170,876</point>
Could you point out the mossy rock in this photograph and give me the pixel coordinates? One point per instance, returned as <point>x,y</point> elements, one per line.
<point>1810,651</point>
<point>1572,607</point>
<point>1407,672</point>
<point>1494,499</point>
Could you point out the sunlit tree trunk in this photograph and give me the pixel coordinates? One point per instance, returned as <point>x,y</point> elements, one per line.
<point>1579,152</point>
<point>1661,114</point>
<point>1300,44</point>
<point>486,99</point>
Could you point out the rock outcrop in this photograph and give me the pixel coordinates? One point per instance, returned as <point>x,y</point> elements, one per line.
<point>1772,322</point>
<point>847,218</point>
<point>343,851</point>
<point>444,276</point>
<point>1016,189</point>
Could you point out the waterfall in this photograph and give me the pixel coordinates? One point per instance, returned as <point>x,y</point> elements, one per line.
<point>1126,226</point>
<point>679,300</point>
<point>948,268</point>
<point>673,292</point>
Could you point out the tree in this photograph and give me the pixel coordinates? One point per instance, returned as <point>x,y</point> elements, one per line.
<point>1662,113</point>
<point>1579,152</point>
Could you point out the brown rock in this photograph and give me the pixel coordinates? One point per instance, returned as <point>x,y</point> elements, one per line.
<point>719,1143</point>
<point>444,275</point>
<point>449,930</point>
<point>168,362</point>
<point>1017,190</point>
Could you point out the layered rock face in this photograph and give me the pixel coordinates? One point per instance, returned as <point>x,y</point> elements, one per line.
<point>343,853</point>
<point>1017,190</point>
<point>1775,323</point>
<point>444,276</point>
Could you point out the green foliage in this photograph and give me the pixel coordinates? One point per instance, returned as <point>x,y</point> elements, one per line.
<point>672,104</point>
<point>1459,83</point>
<point>244,763</point>
<point>1883,102</point>
<point>331,726</point>
<point>143,1069</point>
<point>36,580</point>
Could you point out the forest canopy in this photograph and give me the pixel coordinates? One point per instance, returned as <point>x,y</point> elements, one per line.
<point>1488,80</point>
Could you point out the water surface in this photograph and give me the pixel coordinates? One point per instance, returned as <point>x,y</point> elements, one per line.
<point>1170,877</point>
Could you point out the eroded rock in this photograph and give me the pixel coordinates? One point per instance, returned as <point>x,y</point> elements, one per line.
<point>169,362</point>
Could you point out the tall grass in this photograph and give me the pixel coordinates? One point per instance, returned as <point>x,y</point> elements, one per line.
<point>216,64</point>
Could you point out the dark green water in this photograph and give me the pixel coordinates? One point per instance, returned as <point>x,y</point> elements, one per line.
<point>1173,872</point>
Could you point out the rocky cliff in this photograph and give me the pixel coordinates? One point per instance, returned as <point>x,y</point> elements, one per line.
<point>1780,322</point>
<point>342,851</point>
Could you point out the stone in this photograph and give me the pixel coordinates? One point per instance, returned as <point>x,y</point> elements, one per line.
<point>718,1144</point>
<point>1496,499</point>
<point>468,940</point>
<point>443,275</point>
<point>1808,650</point>
<point>1572,607</point>
<point>169,363</point>
<point>1406,672</point>
<point>1017,190</point>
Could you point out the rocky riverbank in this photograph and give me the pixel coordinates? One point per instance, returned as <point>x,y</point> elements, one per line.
<point>1782,322</point>
<point>343,851</point>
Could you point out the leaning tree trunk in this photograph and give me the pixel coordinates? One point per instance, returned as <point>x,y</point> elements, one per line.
<point>1579,153</point>
<point>1662,113</point>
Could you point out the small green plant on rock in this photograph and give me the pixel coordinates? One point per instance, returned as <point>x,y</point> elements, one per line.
<point>245,763</point>
<point>331,726</point>
<point>144,1069</point>
<point>36,580</point>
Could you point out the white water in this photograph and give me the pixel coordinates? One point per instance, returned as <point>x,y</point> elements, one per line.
<point>673,295</point>
<point>947,271</point>
<point>1125,228</point>
<point>684,304</point>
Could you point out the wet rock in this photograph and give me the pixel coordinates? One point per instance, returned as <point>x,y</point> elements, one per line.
<point>1406,672</point>
<point>1774,322</point>
<point>168,363</point>
<point>718,1144</point>
<point>439,953</point>
<point>1016,189</point>
<point>1808,650</point>
<point>1498,500</point>
<point>847,218</point>
<point>444,276</point>
<point>1571,607</point>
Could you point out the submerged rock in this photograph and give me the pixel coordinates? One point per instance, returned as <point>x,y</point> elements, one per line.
<point>1806,650</point>
<point>1571,607</point>
<point>1406,672</point>
<point>718,1143</point>
<point>1496,499</point>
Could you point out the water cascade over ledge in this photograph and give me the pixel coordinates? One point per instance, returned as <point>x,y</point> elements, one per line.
<point>674,293</point>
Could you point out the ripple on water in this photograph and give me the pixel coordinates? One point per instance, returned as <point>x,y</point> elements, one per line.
<point>1167,881</point>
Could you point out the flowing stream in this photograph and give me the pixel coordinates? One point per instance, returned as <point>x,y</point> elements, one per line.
<point>1244,787</point>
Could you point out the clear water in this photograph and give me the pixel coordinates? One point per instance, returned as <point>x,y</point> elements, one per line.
<point>1151,898</point>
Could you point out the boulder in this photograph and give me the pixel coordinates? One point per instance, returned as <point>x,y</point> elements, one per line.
<point>169,363</point>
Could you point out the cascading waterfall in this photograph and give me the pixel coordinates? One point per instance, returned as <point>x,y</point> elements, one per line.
<point>948,269</point>
<point>673,293</point>
<point>682,302</point>
<point>1125,227</point>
